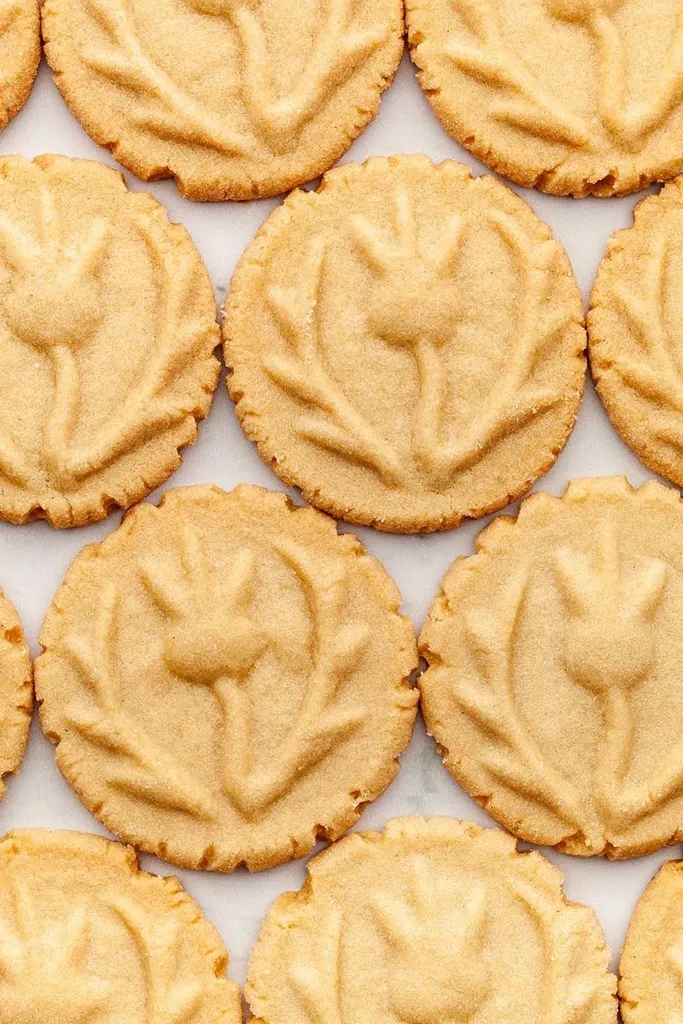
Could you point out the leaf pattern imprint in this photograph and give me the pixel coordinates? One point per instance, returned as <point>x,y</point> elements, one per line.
<point>303,375</point>
<point>338,51</point>
<point>34,965</point>
<point>516,759</point>
<point>152,771</point>
<point>131,68</point>
<point>492,63</point>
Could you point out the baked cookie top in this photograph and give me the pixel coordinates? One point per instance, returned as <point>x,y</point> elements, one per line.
<point>574,97</point>
<point>554,687</point>
<point>430,922</point>
<point>235,99</point>
<point>634,332</point>
<point>107,331</point>
<point>16,690</point>
<point>651,964</point>
<point>19,54</point>
<point>225,678</point>
<point>86,935</point>
<point>406,344</point>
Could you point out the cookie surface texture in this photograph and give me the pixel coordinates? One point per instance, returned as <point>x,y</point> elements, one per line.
<point>554,686</point>
<point>235,99</point>
<point>426,923</point>
<point>607,120</point>
<point>225,678</point>
<point>636,306</point>
<point>406,344</point>
<point>86,935</point>
<point>107,331</point>
<point>16,690</point>
<point>19,54</point>
<point>651,964</point>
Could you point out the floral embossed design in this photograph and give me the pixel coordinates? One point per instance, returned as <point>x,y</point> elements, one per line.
<point>437,973</point>
<point>609,648</point>
<point>35,964</point>
<point>274,117</point>
<point>55,305</point>
<point>414,304</point>
<point>213,642</point>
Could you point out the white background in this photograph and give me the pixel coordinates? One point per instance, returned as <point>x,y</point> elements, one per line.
<point>33,558</point>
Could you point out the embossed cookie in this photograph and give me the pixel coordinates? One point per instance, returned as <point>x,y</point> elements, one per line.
<point>85,935</point>
<point>574,97</point>
<point>225,678</point>
<point>634,332</point>
<point>16,690</point>
<point>235,99</point>
<point>651,965</point>
<point>555,686</point>
<point>432,922</point>
<point>107,331</point>
<point>19,54</point>
<point>406,344</point>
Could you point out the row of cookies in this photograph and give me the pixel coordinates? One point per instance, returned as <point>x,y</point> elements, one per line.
<point>221,704</point>
<point>283,90</point>
<point>406,344</point>
<point>428,921</point>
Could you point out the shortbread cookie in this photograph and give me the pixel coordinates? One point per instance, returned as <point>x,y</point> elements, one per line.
<point>555,679</point>
<point>85,935</point>
<point>574,97</point>
<point>235,99</point>
<point>16,691</point>
<point>651,965</point>
<point>19,54</point>
<point>107,331</point>
<point>634,331</point>
<point>406,344</point>
<point>225,678</point>
<point>430,922</point>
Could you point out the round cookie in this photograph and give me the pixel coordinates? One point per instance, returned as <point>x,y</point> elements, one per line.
<point>634,332</point>
<point>432,922</point>
<point>19,54</point>
<point>235,99</point>
<point>107,332</point>
<point>86,935</point>
<point>651,964</point>
<point>406,344</point>
<point>573,97</point>
<point>225,678</point>
<point>555,688</point>
<point>16,691</point>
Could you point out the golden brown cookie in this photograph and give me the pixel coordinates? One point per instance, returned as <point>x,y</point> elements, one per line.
<point>651,964</point>
<point>16,690</point>
<point>555,679</point>
<point>235,99</point>
<point>225,678</point>
<point>107,331</point>
<point>574,97</point>
<point>406,344</point>
<point>19,54</point>
<point>634,332</point>
<point>430,922</point>
<point>85,935</point>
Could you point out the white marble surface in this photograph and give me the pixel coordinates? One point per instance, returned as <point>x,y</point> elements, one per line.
<point>33,558</point>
